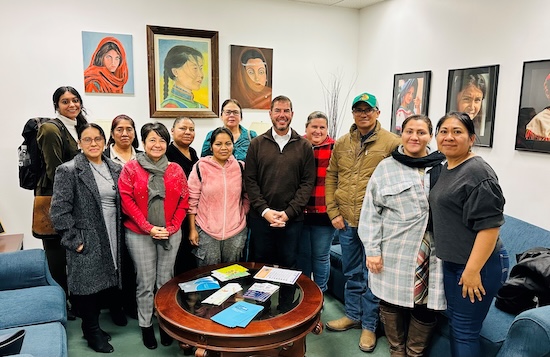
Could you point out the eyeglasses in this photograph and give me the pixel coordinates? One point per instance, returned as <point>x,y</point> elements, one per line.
<point>234,112</point>
<point>364,111</point>
<point>120,130</point>
<point>88,141</point>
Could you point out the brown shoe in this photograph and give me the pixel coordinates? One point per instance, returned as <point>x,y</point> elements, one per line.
<point>342,324</point>
<point>367,342</point>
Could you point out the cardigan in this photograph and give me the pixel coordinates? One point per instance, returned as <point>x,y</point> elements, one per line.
<point>134,192</point>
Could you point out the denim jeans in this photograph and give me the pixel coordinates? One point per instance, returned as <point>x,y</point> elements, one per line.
<point>465,317</point>
<point>314,253</point>
<point>360,302</point>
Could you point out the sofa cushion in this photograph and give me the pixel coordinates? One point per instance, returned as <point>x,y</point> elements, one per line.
<point>45,340</point>
<point>30,306</point>
<point>519,236</point>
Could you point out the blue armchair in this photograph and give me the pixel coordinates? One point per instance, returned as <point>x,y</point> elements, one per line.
<point>33,301</point>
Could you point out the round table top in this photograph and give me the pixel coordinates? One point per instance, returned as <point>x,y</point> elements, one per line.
<point>203,332</point>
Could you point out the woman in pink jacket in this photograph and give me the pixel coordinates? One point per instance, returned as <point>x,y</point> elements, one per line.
<point>218,204</point>
<point>154,197</point>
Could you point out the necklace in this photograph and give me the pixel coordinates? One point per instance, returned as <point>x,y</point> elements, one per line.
<point>109,180</point>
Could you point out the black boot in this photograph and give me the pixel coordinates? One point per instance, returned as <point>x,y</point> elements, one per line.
<point>115,307</point>
<point>394,326</point>
<point>419,337</point>
<point>165,338</point>
<point>148,336</point>
<point>89,312</point>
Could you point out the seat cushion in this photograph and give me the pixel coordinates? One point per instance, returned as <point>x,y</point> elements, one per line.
<point>43,340</point>
<point>32,306</point>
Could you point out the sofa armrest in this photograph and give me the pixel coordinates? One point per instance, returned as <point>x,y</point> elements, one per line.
<point>529,335</point>
<point>24,269</point>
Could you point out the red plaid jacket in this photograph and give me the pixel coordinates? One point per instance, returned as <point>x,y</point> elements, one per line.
<point>322,152</point>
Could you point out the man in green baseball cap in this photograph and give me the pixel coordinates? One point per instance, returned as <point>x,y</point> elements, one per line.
<point>354,158</point>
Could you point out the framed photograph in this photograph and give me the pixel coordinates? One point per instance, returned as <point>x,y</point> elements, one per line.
<point>183,72</point>
<point>251,76</point>
<point>411,94</point>
<point>533,129</point>
<point>474,91</point>
<point>108,63</point>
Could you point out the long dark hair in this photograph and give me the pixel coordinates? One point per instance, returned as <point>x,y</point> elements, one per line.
<point>114,124</point>
<point>80,118</point>
<point>176,57</point>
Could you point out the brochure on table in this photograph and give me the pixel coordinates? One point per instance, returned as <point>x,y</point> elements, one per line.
<point>240,314</point>
<point>200,284</point>
<point>261,291</point>
<point>230,272</point>
<point>278,275</point>
<point>223,294</point>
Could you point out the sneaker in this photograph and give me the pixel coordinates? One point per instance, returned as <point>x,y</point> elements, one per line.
<point>367,341</point>
<point>342,324</point>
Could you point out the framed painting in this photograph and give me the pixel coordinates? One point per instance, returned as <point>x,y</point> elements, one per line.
<point>183,72</point>
<point>411,94</point>
<point>251,76</point>
<point>474,91</point>
<point>108,63</point>
<point>533,128</point>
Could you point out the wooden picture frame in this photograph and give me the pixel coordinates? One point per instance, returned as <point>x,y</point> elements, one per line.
<point>474,91</point>
<point>533,127</point>
<point>411,95</point>
<point>191,86</point>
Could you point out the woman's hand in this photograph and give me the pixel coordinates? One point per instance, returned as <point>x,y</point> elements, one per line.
<point>471,285</point>
<point>375,264</point>
<point>159,233</point>
<point>80,248</point>
<point>194,237</point>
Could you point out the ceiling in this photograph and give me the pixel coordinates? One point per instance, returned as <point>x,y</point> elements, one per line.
<point>353,4</point>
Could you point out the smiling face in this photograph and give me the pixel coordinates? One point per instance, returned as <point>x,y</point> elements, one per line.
<point>111,60</point>
<point>469,101</point>
<point>415,138</point>
<point>222,148</point>
<point>155,146</point>
<point>256,74</point>
<point>183,133</point>
<point>407,99</point>
<point>365,117</point>
<point>69,105</point>
<point>231,115</point>
<point>92,144</point>
<point>281,116</point>
<point>123,134</point>
<point>453,139</point>
<point>316,131</point>
<point>190,75</point>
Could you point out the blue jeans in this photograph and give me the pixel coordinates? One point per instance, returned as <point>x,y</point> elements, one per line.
<point>360,302</point>
<point>465,317</point>
<point>314,253</point>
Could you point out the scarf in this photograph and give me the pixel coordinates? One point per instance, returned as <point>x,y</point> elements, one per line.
<point>155,185</point>
<point>432,160</point>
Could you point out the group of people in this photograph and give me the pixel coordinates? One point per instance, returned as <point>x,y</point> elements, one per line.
<point>278,198</point>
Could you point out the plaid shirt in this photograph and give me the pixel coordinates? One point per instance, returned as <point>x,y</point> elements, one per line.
<point>322,152</point>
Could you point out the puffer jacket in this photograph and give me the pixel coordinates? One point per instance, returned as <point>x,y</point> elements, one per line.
<point>350,168</point>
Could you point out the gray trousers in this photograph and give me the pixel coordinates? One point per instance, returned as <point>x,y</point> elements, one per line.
<point>154,267</point>
<point>213,251</point>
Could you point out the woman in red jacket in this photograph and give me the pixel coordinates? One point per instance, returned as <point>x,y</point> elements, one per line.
<point>155,199</point>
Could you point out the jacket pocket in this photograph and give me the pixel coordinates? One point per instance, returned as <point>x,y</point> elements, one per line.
<point>401,202</point>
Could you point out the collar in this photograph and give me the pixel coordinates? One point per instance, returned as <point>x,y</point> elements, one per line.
<point>282,137</point>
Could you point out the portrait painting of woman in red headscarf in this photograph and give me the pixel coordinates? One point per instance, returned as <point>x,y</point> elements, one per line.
<point>251,75</point>
<point>107,62</point>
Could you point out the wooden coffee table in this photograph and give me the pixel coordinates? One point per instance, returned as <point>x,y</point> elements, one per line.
<point>269,334</point>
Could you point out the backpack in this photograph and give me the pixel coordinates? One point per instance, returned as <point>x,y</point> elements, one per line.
<point>31,162</point>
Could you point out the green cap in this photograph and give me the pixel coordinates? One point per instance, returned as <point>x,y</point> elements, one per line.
<point>367,98</point>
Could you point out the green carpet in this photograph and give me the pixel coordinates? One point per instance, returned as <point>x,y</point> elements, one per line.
<point>127,340</point>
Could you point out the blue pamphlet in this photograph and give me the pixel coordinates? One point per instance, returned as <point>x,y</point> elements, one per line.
<point>239,314</point>
<point>201,284</point>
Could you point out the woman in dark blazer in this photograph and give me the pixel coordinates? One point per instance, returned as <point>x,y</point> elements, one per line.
<point>85,212</point>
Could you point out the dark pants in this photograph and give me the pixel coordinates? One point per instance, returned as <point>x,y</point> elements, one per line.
<point>57,260</point>
<point>185,260</point>
<point>276,246</point>
<point>465,317</point>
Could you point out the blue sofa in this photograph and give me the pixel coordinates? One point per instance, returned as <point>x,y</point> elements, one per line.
<point>31,300</point>
<point>503,334</point>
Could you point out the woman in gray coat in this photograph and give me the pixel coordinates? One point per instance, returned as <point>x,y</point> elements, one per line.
<point>85,212</point>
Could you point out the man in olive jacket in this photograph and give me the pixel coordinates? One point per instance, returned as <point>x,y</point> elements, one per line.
<point>353,160</point>
<point>279,176</point>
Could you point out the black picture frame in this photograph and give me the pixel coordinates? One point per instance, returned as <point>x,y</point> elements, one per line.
<point>477,87</point>
<point>159,41</point>
<point>533,127</point>
<point>419,101</point>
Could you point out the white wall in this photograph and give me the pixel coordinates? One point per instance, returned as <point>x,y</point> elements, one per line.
<point>42,50</point>
<point>401,36</point>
